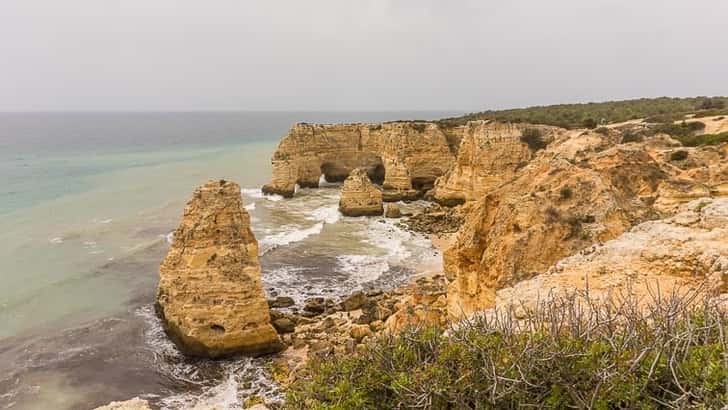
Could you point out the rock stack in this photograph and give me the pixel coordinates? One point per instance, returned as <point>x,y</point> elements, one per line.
<point>210,294</point>
<point>359,196</point>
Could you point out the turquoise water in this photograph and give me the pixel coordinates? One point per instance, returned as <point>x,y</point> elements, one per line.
<point>86,204</point>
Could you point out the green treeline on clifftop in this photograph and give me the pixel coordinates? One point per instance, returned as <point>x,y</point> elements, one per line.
<point>590,115</point>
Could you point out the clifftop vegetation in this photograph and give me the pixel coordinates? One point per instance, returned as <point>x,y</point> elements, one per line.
<point>590,115</point>
<point>574,352</point>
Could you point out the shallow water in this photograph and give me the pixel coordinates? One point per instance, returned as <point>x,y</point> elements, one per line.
<point>86,208</point>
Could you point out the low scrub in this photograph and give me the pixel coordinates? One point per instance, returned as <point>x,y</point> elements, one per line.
<point>533,138</point>
<point>704,139</point>
<point>590,115</point>
<point>570,352</point>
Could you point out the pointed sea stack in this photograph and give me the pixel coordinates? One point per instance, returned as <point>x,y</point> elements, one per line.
<point>359,197</point>
<point>210,294</point>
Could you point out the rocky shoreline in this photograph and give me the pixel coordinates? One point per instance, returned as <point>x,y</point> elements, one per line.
<point>520,211</point>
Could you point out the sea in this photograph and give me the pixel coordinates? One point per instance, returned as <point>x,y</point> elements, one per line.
<point>88,202</point>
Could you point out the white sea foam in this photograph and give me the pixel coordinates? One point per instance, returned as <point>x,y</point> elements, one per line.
<point>229,393</point>
<point>106,221</point>
<point>169,237</point>
<point>257,193</point>
<point>290,234</point>
<point>250,206</point>
<point>56,240</point>
<point>329,214</point>
<point>362,268</point>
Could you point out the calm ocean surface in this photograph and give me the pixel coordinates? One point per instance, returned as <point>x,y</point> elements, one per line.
<point>86,203</point>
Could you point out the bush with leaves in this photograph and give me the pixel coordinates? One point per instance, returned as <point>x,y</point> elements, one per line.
<point>569,352</point>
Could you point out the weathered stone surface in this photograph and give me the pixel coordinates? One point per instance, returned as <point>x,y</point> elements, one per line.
<point>393,211</point>
<point>133,404</point>
<point>436,219</point>
<point>284,325</point>
<point>677,252</point>
<point>359,197</point>
<point>583,188</point>
<point>281,302</point>
<point>210,295</point>
<point>575,193</point>
<point>490,154</point>
<point>354,301</point>
<point>406,157</point>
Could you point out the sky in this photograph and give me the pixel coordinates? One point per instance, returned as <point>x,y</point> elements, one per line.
<point>463,55</point>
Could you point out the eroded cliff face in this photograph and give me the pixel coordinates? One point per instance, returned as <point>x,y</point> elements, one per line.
<point>490,153</point>
<point>210,294</point>
<point>584,188</point>
<point>680,253</point>
<point>405,157</point>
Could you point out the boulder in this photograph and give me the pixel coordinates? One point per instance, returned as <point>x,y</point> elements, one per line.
<point>210,295</point>
<point>354,301</point>
<point>284,325</point>
<point>393,211</point>
<point>281,302</point>
<point>359,197</point>
<point>359,332</point>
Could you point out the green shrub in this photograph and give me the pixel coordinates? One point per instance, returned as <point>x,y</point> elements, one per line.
<point>678,155</point>
<point>704,139</point>
<point>632,137</point>
<point>566,193</point>
<point>589,123</point>
<point>570,352</point>
<point>533,138</point>
<point>712,103</point>
<point>602,130</point>
<point>663,109</point>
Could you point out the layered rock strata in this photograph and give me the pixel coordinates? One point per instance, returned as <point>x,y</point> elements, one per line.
<point>405,157</point>
<point>583,188</point>
<point>671,255</point>
<point>490,153</point>
<point>210,295</point>
<point>359,197</point>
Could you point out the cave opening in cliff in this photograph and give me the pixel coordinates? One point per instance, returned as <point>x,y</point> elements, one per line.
<point>376,174</point>
<point>332,173</point>
<point>423,183</point>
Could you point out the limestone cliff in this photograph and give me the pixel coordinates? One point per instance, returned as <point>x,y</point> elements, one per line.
<point>679,252</point>
<point>210,294</point>
<point>406,157</point>
<point>359,197</point>
<point>490,153</point>
<point>583,188</point>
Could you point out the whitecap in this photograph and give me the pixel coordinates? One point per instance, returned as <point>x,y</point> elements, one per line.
<point>250,206</point>
<point>169,237</point>
<point>106,221</point>
<point>56,240</point>
<point>328,214</point>
<point>257,193</point>
<point>363,268</point>
<point>293,233</point>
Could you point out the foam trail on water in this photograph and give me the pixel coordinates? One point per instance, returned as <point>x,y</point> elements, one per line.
<point>257,193</point>
<point>328,214</point>
<point>292,234</point>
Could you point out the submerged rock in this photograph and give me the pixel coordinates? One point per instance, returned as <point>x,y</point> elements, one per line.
<point>210,294</point>
<point>359,197</point>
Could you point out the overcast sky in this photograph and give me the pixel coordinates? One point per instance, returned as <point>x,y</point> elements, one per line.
<point>355,55</point>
